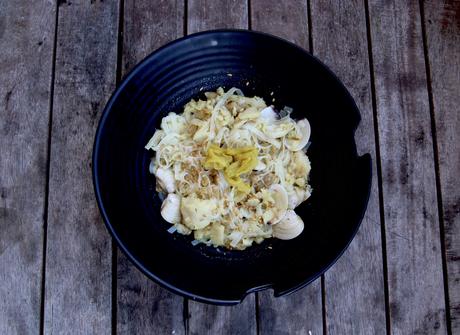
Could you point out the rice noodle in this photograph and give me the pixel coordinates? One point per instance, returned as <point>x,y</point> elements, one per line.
<point>232,122</point>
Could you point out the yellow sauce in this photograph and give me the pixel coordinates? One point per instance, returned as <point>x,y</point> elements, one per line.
<point>233,162</point>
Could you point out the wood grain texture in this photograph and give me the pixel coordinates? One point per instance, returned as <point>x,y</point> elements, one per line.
<point>302,311</point>
<point>286,19</point>
<point>206,319</point>
<point>297,314</point>
<point>217,14</point>
<point>355,300</point>
<point>143,307</point>
<point>416,290</point>
<point>442,22</point>
<point>26,48</point>
<point>78,259</point>
<point>235,320</point>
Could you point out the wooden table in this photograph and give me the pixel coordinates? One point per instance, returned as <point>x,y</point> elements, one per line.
<point>60,272</point>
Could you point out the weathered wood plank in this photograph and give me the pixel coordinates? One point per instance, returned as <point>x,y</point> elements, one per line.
<point>442,23</point>
<point>355,300</point>
<point>415,281</point>
<point>204,319</point>
<point>78,256</point>
<point>235,320</point>
<point>218,14</point>
<point>302,311</point>
<point>143,307</point>
<point>299,313</point>
<point>26,48</point>
<point>286,19</point>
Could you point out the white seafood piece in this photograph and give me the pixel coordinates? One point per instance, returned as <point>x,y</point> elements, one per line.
<point>296,197</point>
<point>268,114</point>
<point>165,178</point>
<point>303,131</point>
<point>279,194</point>
<point>170,208</point>
<point>289,227</point>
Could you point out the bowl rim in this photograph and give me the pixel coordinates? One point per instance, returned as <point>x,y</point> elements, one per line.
<point>102,120</point>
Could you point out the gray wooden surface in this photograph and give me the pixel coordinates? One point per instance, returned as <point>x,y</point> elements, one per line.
<point>60,271</point>
<point>78,263</point>
<point>414,262</point>
<point>302,311</point>
<point>26,52</point>
<point>143,307</point>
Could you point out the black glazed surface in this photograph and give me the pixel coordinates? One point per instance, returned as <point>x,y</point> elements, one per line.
<point>259,64</point>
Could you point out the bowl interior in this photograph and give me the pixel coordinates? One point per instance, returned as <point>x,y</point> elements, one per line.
<point>282,74</point>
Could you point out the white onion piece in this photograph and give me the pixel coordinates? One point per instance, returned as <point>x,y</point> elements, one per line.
<point>262,136</point>
<point>172,229</point>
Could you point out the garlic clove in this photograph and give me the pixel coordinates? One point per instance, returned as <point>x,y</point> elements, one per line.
<point>165,179</point>
<point>304,131</point>
<point>170,208</point>
<point>279,194</point>
<point>289,227</point>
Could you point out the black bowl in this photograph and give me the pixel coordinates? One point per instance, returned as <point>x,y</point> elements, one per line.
<point>260,65</point>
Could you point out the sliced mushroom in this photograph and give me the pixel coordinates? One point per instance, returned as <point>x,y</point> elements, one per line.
<point>289,227</point>
<point>303,133</point>
<point>279,194</point>
<point>165,179</point>
<point>170,208</point>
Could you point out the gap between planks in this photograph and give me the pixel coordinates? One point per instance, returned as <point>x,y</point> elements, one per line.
<point>48,164</point>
